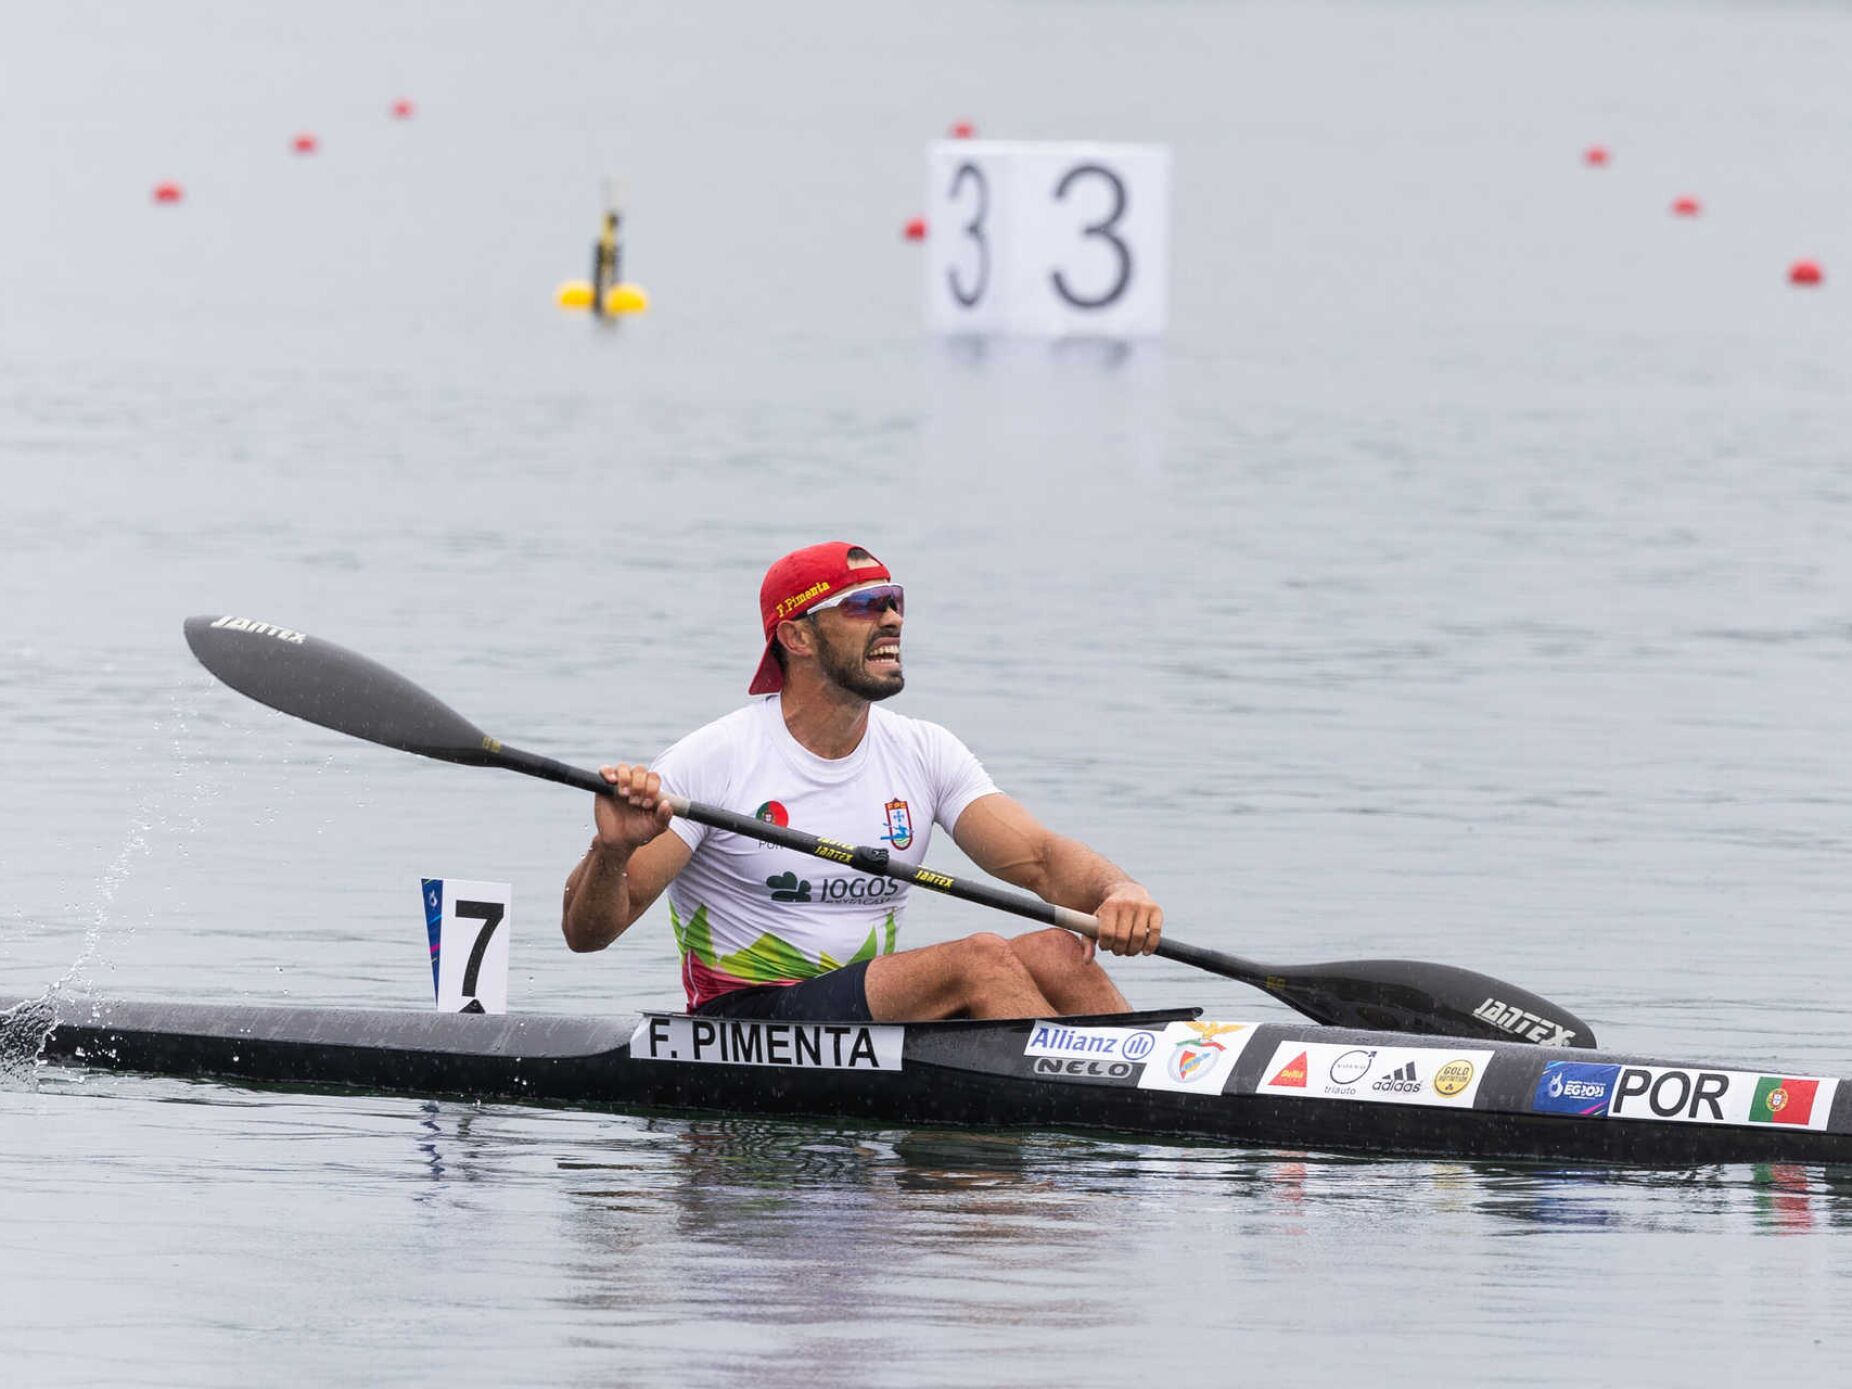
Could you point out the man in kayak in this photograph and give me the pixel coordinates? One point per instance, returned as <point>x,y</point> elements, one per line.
<point>768,932</point>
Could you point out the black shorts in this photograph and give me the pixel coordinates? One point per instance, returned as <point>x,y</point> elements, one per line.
<point>839,996</point>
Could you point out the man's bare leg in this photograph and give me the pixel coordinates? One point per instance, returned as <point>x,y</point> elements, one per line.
<point>1067,974</point>
<point>980,976</point>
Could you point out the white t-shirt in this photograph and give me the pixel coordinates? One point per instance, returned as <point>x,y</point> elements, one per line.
<point>747,913</point>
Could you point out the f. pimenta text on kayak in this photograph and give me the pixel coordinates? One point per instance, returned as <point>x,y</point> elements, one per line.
<point>741,1042</point>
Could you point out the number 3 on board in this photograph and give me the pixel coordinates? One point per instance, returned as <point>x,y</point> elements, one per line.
<point>1047,240</point>
<point>467,926</point>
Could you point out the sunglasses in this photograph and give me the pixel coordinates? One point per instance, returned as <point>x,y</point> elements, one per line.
<point>866,603</point>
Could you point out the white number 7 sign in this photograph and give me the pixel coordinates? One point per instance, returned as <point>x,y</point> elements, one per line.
<point>467,924</point>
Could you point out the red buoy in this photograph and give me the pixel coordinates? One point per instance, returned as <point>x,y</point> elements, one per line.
<point>1805,272</point>
<point>1686,206</point>
<point>402,109</point>
<point>305,143</point>
<point>167,193</point>
<point>963,130</point>
<point>1595,156</point>
<point>915,229</point>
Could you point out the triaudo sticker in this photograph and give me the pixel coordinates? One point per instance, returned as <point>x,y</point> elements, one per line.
<point>1195,1056</point>
<point>1090,1043</point>
<point>1691,1095</point>
<point>1378,1075</point>
<point>829,1046</point>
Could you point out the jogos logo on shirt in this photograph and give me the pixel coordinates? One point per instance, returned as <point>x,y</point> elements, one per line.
<point>788,887</point>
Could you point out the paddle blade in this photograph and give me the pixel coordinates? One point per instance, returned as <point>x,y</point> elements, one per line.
<point>334,687</point>
<point>1412,996</point>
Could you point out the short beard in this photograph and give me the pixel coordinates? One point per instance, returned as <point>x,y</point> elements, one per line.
<point>848,672</point>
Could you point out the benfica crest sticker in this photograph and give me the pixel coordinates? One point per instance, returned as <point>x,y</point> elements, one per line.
<point>899,825</point>
<point>1201,1056</point>
<point>1194,1057</point>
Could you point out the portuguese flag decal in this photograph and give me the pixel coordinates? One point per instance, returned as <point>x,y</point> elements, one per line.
<point>1779,1100</point>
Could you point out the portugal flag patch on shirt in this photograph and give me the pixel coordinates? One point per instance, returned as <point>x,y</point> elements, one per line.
<point>1780,1100</point>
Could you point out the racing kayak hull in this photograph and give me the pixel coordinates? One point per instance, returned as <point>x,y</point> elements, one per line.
<point>1165,1074</point>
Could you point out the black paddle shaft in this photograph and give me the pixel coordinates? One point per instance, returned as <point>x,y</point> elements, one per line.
<point>340,689</point>
<point>1394,995</point>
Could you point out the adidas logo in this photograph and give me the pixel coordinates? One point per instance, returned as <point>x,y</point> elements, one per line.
<point>1400,1081</point>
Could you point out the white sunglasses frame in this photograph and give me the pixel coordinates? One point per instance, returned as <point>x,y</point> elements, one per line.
<point>849,593</point>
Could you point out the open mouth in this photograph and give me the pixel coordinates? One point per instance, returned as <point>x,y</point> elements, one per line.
<point>884,655</point>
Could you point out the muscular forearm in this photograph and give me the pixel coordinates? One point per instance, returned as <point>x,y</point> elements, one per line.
<point>1075,876</point>
<point>1005,839</point>
<point>598,906</point>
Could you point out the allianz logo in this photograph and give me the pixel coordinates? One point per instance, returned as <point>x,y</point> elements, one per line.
<point>1069,1041</point>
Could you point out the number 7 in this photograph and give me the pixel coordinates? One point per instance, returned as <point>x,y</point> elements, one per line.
<point>490,914</point>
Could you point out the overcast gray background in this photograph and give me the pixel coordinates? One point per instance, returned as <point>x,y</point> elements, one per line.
<point>1464,578</point>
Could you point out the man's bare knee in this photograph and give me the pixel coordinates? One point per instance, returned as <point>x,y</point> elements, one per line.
<point>1051,948</point>
<point>989,953</point>
<point>988,963</point>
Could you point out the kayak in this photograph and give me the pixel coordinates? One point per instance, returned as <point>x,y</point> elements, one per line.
<point>1167,1074</point>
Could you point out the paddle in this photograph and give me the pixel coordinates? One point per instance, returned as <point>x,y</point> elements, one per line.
<point>343,690</point>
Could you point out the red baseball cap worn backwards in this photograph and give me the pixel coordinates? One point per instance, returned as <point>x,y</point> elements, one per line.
<point>797,583</point>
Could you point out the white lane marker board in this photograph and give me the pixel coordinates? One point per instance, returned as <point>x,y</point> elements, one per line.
<point>467,924</point>
<point>1049,239</point>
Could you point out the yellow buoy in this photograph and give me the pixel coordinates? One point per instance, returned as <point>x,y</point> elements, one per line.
<point>618,299</point>
<point>626,298</point>
<point>606,294</point>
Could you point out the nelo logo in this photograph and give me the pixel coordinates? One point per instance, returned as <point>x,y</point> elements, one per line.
<point>1076,1066</point>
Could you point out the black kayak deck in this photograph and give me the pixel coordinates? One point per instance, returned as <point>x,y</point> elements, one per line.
<point>1164,1074</point>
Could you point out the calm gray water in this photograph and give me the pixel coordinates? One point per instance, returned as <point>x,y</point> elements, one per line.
<point>1465,577</point>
